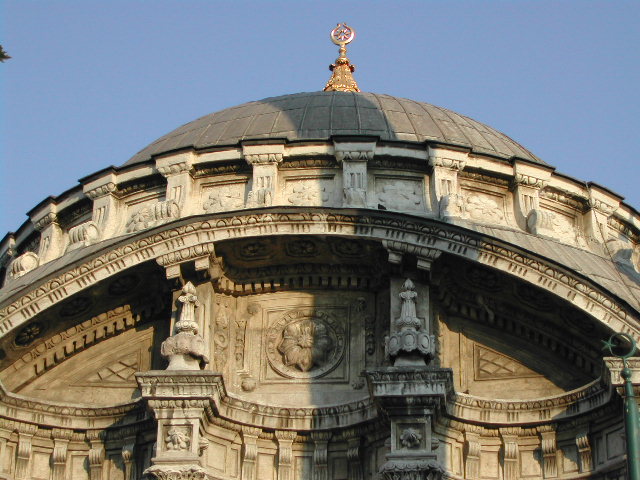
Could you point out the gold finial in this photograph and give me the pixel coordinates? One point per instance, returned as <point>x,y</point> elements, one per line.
<point>342,80</point>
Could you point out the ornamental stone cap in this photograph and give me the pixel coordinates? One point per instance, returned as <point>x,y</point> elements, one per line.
<point>321,115</point>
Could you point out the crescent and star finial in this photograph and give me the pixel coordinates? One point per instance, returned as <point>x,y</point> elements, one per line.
<point>342,79</point>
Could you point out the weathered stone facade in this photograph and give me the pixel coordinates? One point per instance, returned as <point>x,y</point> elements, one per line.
<point>330,304</point>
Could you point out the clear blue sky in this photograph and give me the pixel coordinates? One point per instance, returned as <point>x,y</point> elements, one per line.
<point>92,82</point>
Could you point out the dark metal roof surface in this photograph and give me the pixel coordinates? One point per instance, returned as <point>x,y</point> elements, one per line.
<point>320,115</point>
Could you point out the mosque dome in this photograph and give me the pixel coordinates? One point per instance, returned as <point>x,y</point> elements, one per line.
<point>305,117</point>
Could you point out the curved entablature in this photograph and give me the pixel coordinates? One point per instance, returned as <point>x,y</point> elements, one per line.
<point>399,234</point>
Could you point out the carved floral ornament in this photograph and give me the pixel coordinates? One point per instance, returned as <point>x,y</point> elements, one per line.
<point>413,233</point>
<point>305,344</point>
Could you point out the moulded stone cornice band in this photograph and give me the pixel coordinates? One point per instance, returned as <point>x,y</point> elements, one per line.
<point>410,231</point>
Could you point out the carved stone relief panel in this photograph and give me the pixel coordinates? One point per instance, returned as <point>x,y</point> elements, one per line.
<point>223,196</point>
<point>403,194</point>
<point>312,191</point>
<point>484,206</point>
<point>303,340</point>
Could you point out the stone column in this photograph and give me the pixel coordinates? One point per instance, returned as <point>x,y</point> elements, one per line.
<point>354,157</point>
<point>410,393</point>
<point>264,159</point>
<point>285,440</point>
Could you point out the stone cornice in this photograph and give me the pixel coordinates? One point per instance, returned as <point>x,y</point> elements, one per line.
<point>407,232</point>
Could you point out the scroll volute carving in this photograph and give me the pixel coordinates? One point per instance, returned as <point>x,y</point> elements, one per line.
<point>186,349</point>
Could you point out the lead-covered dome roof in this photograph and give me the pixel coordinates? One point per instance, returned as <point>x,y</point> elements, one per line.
<point>320,115</point>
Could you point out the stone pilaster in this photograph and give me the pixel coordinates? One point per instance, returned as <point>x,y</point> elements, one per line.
<point>528,180</point>
<point>548,440</point>
<point>603,204</point>
<point>354,459</point>
<point>96,454</point>
<point>584,451</point>
<point>250,452</point>
<point>320,455</point>
<point>285,440</point>
<point>472,459</point>
<point>354,157</point>
<point>128,458</point>
<point>45,220</point>
<point>510,453</point>
<point>179,400</point>
<point>61,437</point>
<point>178,169</point>
<point>264,160</point>
<point>446,197</point>
<point>23,454</point>
<point>106,205</point>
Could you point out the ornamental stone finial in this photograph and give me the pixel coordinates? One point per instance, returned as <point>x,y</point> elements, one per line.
<point>185,349</point>
<point>410,344</point>
<point>342,79</point>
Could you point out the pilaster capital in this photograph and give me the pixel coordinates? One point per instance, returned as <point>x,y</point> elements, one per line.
<point>44,215</point>
<point>99,187</point>
<point>354,151</point>
<point>603,201</point>
<point>447,159</point>
<point>530,175</point>
<point>175,164</point>
<point>271,154</point>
